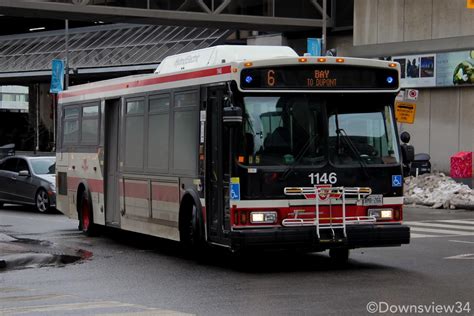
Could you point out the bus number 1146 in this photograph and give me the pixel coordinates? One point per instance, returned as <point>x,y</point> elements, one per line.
<point>317,178</point>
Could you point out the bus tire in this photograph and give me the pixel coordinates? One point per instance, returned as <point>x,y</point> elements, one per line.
<point>192,231</point>
<point>339,255</point>
<point>86,216</point>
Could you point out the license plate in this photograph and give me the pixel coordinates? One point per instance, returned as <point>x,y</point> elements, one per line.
<point>374,199</point>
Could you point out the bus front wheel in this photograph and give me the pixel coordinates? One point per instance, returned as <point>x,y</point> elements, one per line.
<point>192,233</point>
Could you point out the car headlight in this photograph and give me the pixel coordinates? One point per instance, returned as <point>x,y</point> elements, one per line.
<point>263,217</point>
<point>381,213</point>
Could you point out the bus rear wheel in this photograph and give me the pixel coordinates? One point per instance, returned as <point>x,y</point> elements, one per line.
<point>339,255</point>
<point>86,218</point>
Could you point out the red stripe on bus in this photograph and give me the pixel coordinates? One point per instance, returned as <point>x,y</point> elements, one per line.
<point>165,193</point>
<point>151,81</point>
<point>94,185</point>
<point>162,193</point>
<point>136,189</point>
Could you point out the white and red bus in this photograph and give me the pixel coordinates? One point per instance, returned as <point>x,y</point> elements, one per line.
<point>239,147</point>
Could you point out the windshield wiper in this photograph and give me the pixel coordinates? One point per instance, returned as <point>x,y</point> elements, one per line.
<point>300,156</point>
<point>341,132</point>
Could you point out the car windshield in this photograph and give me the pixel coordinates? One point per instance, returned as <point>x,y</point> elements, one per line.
<point>43,165</point>
<point>309,129</point>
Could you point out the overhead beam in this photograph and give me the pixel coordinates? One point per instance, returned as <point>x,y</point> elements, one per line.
<point>151,16</point>
<point>413,47</point>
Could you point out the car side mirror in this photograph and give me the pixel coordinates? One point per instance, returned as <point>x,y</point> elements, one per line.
<point>24,173</point>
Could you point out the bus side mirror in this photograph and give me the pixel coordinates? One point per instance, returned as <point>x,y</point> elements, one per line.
<point>405,137</point>
<point>232,116</point>
<point>408,153</point>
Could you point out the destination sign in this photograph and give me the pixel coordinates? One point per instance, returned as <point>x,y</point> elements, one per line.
<point>319,77</point>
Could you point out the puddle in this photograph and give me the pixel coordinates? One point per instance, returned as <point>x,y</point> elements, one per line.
<point>22,253</point>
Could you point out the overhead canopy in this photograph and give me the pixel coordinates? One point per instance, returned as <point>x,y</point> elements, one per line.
<point>99,49</point>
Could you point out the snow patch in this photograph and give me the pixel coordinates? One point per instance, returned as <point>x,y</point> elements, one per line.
<point>438,191</point>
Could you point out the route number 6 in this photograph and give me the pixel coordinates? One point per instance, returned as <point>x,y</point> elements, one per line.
<point>317,178</point>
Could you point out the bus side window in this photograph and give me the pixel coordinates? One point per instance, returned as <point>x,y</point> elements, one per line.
<point>90,125</point>
<point>71,125</point>
<point>158,133</point>
<point>186,131</point>
<point>134,134</point>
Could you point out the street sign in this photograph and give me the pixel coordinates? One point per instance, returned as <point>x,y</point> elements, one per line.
<point>400,96</point>
<point>412,94</point>
<point>470,4</point>
<point>405,112</point>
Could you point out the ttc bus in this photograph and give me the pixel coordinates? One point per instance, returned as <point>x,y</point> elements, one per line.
<point>238,147</point>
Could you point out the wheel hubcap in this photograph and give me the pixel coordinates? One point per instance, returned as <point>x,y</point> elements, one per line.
<point>42,201</point>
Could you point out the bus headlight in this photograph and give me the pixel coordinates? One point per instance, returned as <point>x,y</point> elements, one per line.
<point>381,213</point>
<point>263,217</point>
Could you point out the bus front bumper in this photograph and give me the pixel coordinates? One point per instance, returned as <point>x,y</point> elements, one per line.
<point>358,236</point>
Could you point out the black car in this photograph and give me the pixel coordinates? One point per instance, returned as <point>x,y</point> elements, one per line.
<point>29,181</point>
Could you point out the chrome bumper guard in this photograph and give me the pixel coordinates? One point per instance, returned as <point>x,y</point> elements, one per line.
<point>329,194</point>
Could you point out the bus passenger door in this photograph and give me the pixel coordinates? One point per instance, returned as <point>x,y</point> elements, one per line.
<point>217,177</point>
<point>111,174</point>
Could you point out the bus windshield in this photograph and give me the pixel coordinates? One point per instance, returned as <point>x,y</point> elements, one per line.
<point>280,129</point>
<point>310,129</point>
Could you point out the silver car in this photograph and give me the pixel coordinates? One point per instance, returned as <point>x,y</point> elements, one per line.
<point>29,181</point>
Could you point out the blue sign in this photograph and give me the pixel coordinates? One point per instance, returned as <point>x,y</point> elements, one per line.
<point>397,181</point>
<point>235,191</point>
<point>314,46</point>
<point>57,76</point>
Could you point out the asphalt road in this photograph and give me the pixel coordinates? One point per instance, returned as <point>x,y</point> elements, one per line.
<point>129,274</point>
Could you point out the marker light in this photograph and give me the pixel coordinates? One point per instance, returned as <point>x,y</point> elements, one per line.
<point>389,79</point>
<point>322,60</point>
<point>248,79</point>
<point>339,60</point>
<point>302,60</point>
<point>393,65</point>
<point>248,64</point>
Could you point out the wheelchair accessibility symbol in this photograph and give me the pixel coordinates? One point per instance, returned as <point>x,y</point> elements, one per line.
<point>235,191</point>
<point>397,181</point>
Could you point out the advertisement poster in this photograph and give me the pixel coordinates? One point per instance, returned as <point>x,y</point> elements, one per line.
<point>57,76</point>
<point>437,70</point>
<point>417,70</point>
<point>455,69</point>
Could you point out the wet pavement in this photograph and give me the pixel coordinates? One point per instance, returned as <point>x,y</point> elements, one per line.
<point>20,253</point>
<point>132,274</point>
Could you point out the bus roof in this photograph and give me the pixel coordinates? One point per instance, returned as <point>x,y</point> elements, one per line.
<point>218,55</point>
